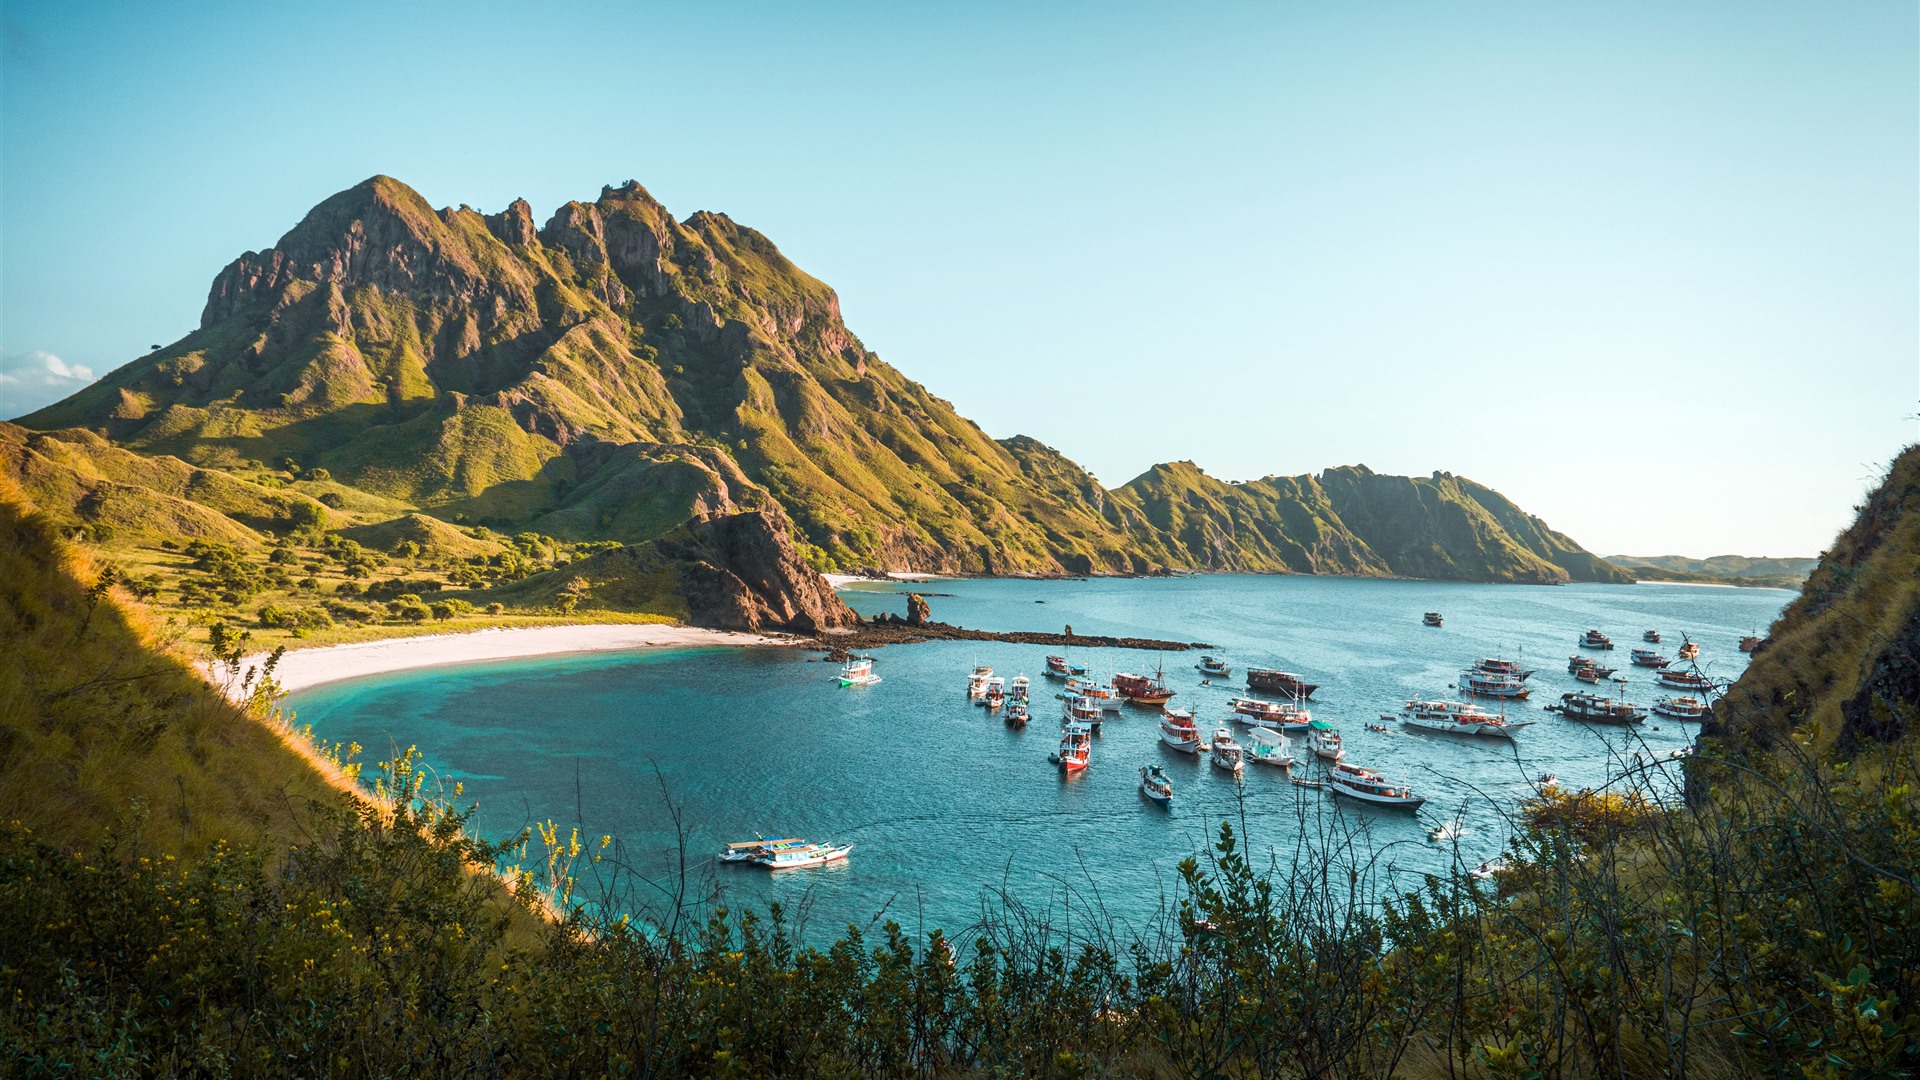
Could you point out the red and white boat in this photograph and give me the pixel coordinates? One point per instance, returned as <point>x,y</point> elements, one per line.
<point>1648,658</point>
<point>1076,748</point>
<point>1484,684</point>
<point>1289,719</point>
<point>1681,708</point>
<point>1460,719</point>
<point>1594,639</point>
<point>1493,665</point>
<point>1178,731</point>
<point>1681,679</point>
<point>1368,786</point>
<point>1106,697</point>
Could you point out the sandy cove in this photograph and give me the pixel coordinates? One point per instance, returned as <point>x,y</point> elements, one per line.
<point>303,668</point>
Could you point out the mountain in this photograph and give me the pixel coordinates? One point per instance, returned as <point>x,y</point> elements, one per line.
<point>614,373</point>
<point>1720,569</point>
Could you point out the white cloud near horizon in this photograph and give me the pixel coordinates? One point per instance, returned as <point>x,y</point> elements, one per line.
<point>37,378</point>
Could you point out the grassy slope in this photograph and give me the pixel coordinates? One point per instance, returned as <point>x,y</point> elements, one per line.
<point>1720,570</point>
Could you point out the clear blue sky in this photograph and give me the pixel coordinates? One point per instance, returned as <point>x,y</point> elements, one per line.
<point>1650,269</point>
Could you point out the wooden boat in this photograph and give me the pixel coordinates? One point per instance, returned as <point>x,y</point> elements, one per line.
<point>806,855</point>
<point>1076,748</point>
<point>1493,665</point>
<point>1689,651</point>
<point>1178,731</point>
<point>1289,719</point>
<point>1368,786</point>
<point>749,850</point>
<point>1280,682</point>
<point>1482,684</point>
<point>1226,753</point>
<point>858,672</point>
<point>1324,741</point>
<point>1682,679</point>
<point>1594,639</point>
<point>1469,720</point>
<point>1154,783</point>
<point>1211,666</point>
<point>1592,676</point>
<point>1681,708</point>
<point>1108,698</point>
<point>1142,690</point>
<point>1432,618</point>
<point>1267,747</point>
<point>1647,658</point>
<point>1595,709</point>
<point>1652,636</point>
<point>1749,643</point>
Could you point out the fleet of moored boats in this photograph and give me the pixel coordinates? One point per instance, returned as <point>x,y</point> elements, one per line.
<point>1268,725</point>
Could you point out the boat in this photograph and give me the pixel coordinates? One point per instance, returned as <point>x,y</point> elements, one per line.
<point>1594,639</point>
<point>1648,658</point>
<point>1324,741</point>
<point>1595,709</point>
<point>1369,786</point>
<point>996,693</point>
<point>1445,831</point>
<point>1280,682</point>
<point>792,858</point>
<point>1019,689</point>
<point>1227,754</point>
<point>1076,747</point>
<point>1652,636</point>
<point>1108,698</point>
<point>977,682</point>
<point>1081,710</point>
<point>1178,731</point>
<point>1289,719</point>
<point>1142,690</point>
<point>1577,664</point>
<point>1381,728</point>
<point>1267,747</point>
<point>1681,708</point>
<point>1486,870</point>
<point>1592,676</point>
<point>1305,782</point>
<point>1016,714</point>
<point>1689,651</point>
<point>1470,720</point>
<point>1482,684</point>
<point>1441,709</point>
<point>1681,679</point>
<point>1493,665</point>
<point>1212,665</point>
<point>1154,783</point>
<point>749,850</point>
<point>1432,618</point>
<point>858,671</point>
<point>1749,643</point>
<point>1058,667</point>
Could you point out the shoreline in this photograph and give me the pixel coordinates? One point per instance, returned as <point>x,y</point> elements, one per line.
<point>303,669</point>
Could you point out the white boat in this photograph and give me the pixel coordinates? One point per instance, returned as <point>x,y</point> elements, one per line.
<point>1647,658</point>
<point>1486,870</point>
<point>1109,699</point>
<point>1019,689</point>
<point>996,694</point>
<point>1059,668</point>
<point>1227,753</point>
<point>1490,684</point>
<point>1268,747</point>
<point>1324,741</point>
<point>1468,719</point>
<point>1681,679</point>
<point>804,855</point>
<point>1368,786</point>
<point>1213,666</point>
<point>977,682</point>
<point>1287,719</point>
<point>749,850</point>
<point>1178,731</point>
<point>1446,831</point>
<point>1305,782</point>
<point>1016,714</point>
<point>1076,748</point>
<point>1493,665</point>
<point>1681,708</point>
<point>858,672</point>
<point>1597,710</point>
<point>1154,783</point>
<point>1080,710</point>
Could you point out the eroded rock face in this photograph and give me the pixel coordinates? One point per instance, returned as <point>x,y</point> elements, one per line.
<point>918,613</point>
<point>742,572</point>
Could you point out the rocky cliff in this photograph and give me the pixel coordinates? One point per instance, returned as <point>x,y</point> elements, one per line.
<point>613,373</point>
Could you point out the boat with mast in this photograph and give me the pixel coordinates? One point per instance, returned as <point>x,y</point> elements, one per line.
<point>1280,682</point>
<point>1142,690</point>
<point>1484,684</point>
<point>1288,719</point>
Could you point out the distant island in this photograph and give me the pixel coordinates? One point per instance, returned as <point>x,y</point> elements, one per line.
<point>1738,570</point>
<point>397,407</point>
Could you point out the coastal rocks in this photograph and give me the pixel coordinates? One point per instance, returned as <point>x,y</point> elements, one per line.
<point>742,572</point>
<point>891,630</point>
<point>919,613</point>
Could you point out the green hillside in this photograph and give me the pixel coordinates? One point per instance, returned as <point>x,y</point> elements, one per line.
<point>614,373</point>
<point>1720,569</point>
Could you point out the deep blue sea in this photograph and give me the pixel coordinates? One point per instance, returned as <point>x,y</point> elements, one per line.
<point>947,807</point>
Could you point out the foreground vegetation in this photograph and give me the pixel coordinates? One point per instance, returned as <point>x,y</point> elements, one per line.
<point>1768,926</point>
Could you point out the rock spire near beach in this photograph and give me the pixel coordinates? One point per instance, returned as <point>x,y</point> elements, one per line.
<point>613,373</point>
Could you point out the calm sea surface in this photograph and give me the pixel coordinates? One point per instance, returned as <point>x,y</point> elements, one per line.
<point>945,804</point>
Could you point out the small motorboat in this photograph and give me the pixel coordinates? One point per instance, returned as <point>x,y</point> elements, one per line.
<point>858,672</point>
<point>1486,870</point>
<point>1647,658</point>
<point>1371,787</point>
<point>1681,708</point>
<point>1268,747</point>
<point>1306,782</point>
<point>1377,727</point>
<point>1446,831</point>
<point>1651,636</point>
<point>1324,741</point>
<point>1431,618</point>
<point>1154,783</point>
<point>1076,748</point>
<point>1594,639</point>
<point>1680,679</point>
<point>1211,666</point>
<point>1227,754</point>
<point>1178,731</point>
<point>793,858</point>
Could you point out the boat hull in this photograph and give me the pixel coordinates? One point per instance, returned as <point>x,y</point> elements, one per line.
<point>1398,802</point>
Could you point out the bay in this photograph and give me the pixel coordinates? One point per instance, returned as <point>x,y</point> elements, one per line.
<point>678,751</point>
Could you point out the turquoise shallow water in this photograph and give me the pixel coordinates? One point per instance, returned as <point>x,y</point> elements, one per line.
<point>944,803</point>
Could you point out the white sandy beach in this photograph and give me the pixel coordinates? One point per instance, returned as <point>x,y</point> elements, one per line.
<point>841,581</point>
<point>303,668</point>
